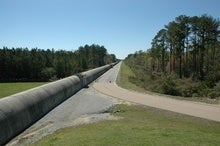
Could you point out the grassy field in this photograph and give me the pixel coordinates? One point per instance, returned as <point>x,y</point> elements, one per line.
<point>7,89</point>
<point>140,125</point>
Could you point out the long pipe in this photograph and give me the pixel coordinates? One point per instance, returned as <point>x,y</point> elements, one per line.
<point>19,111</point>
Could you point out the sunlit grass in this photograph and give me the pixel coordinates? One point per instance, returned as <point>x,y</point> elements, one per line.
<point>123,78</point>
<point>7,89</point>
<point>140,125</point>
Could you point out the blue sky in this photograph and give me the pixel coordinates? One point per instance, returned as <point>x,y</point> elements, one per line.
<point>122,26</point>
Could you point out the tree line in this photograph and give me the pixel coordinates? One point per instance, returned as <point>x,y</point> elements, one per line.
<point>22,64</point>
<point>187,48</point>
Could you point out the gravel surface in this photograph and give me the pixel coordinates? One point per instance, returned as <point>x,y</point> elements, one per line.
<point>111,75</point>
<point>84,107</point>
<point>197,109</point>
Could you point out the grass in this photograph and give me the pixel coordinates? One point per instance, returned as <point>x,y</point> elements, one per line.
<point>150,86</point>
<point>123,79</point>
<point>140,125</point>
<point>7,89</point>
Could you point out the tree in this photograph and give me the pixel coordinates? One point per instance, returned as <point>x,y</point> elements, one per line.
<point>187,47</point>
<point>159,44</point>
<point>22,64</point>
<point>191,41</point>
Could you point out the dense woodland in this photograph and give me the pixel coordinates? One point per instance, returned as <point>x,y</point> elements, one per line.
<point>22,64</point>
<point>184,57</point>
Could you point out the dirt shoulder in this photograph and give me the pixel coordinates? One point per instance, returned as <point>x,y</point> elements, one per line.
<point>197,109</point>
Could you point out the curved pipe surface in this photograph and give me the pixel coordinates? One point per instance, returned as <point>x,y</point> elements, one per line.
<point>19,111</point>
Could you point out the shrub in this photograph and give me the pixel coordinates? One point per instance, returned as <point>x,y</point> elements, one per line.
<point>189,91</point>
<point>47,73</point>
<point>202,89</point>
<point>215,91</point>
<point>213,94</point>
<point>210,81</point>
<point>169,87</point>
<point>186,92</point>
<point>217,75</point>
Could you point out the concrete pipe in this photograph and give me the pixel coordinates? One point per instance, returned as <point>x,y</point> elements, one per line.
<point>19,111</point>
<point>93,74</point>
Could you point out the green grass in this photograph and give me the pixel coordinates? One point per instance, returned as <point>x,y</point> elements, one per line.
<point>7,89</point>
<point>123,79</point>
<point>126,74</point>
<point>140,125</point>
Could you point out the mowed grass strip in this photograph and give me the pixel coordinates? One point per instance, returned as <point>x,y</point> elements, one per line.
<point>140,125</point>
<point>123,78</point>
<point>7,89</point>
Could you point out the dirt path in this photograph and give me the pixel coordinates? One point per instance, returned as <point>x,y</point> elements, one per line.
<point>197,109</point>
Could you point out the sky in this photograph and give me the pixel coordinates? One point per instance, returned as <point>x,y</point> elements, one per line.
<point>122,26</point>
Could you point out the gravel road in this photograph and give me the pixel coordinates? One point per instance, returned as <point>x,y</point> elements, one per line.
<point>110,76</point>
<point>86,106</point>
<point>197,109</point>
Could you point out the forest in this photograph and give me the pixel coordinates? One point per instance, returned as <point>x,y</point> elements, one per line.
<point>184,59</point>
<point>22,64</point>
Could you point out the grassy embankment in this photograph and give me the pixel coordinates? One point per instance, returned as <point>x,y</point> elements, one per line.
<point>140,125</point>
<point>123,79</point>
<point>152,86</point>
<point>7,89</point>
